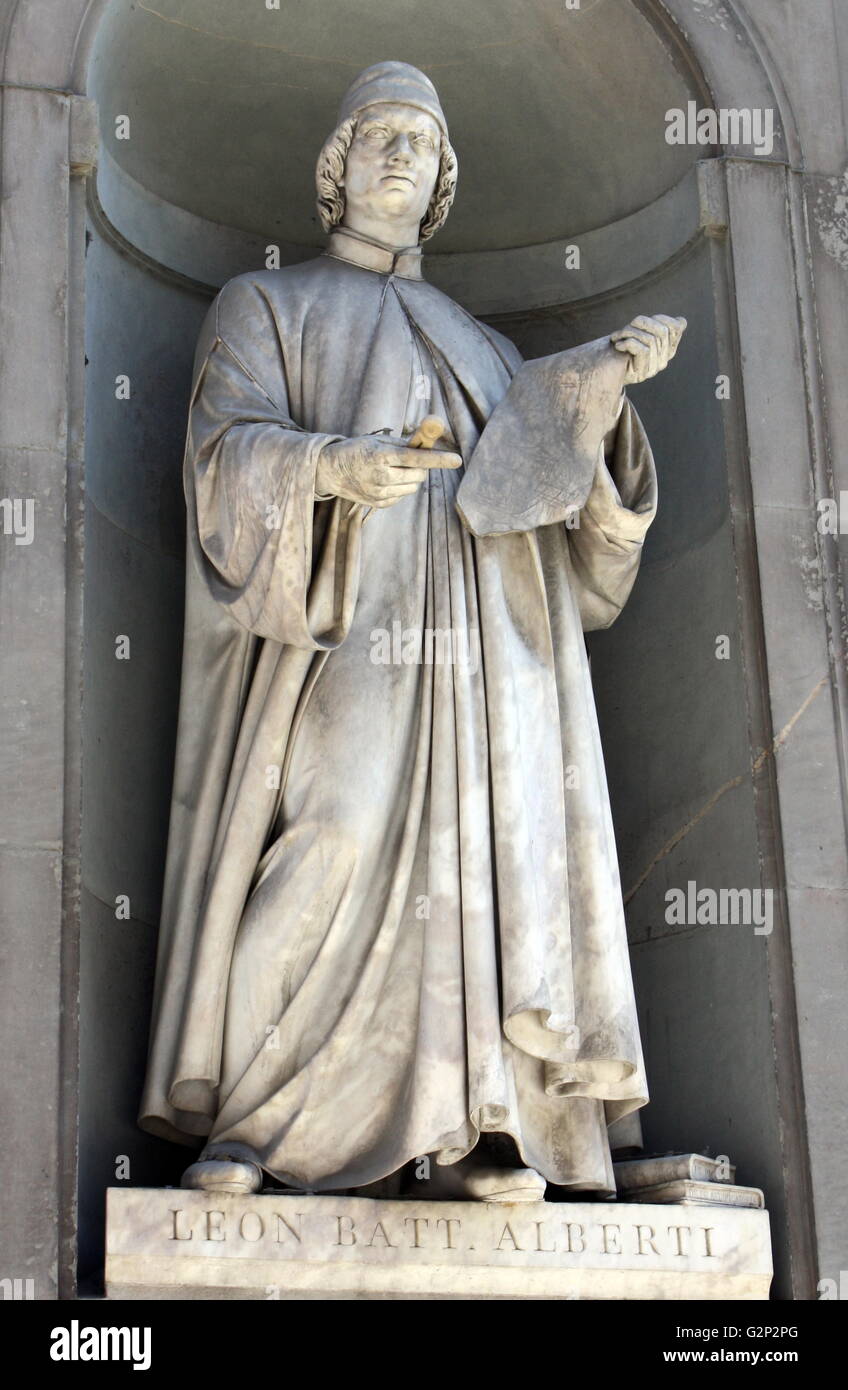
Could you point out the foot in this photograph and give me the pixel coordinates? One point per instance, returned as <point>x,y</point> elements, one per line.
<point>223,1172</point>
<point>470,1181</point>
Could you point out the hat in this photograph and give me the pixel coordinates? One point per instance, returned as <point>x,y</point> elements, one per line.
<point>391,81</point>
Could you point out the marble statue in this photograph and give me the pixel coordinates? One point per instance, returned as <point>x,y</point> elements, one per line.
<point>392,926</point>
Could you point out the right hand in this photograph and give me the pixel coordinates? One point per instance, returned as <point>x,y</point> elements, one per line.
<point>376,470</point>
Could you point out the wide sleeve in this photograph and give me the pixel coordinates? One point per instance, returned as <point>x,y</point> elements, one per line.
<point>283,564</point>
<point>606,541</point>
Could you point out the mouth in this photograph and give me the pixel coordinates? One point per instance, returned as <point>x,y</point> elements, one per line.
<point>398,178</point>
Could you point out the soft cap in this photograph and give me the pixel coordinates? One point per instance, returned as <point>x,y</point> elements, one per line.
<point>392,81</point>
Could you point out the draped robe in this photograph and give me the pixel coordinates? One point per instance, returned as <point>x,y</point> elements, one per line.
<point>392,915</point>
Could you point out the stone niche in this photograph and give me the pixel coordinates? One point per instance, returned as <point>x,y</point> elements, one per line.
<point>211,117</point>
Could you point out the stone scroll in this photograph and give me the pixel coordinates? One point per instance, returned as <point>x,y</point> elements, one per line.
<point>536,458</point>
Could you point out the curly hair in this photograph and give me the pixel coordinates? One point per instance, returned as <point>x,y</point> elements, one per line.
<point>329,172</point>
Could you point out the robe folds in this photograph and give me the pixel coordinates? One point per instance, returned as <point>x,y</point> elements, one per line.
<point>392,915</point>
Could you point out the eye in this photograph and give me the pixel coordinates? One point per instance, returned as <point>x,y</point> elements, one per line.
<point>375,132</point>
<point>426,141</point>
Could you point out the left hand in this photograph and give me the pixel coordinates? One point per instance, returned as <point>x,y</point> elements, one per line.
<point>651,343</point>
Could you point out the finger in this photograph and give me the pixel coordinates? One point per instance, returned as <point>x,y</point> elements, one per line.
<point>396,490</point>
<point>676,327</point>
<point>634,347</point>
<point>642,363</point>
<point>442,458</point>
<point>640,335</point>
<point>401,477</point>
<point>397,495</point>
<point>670,346</point>
<point>387,475</point>
<point>418,458</point>
<point>651,324</point>
<point>633,330</point>
<point>637,335</point>
<point>661,341</point>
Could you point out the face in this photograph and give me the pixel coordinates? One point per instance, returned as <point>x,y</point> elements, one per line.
<point>393,163</point>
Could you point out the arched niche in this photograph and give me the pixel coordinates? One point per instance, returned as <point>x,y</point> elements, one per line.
<point>557,116</point>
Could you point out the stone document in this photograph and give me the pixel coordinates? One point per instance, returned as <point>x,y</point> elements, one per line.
<point>177,1244</point>
<point>686,1192</point>
<point>392,916</point>
<point>573,400</point>
<point>636,1173</point>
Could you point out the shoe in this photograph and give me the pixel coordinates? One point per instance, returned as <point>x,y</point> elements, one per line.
<point>223,1174</point>
<point>469,1180</point>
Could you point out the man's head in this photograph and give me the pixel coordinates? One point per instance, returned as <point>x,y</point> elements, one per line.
<point>389,163</point>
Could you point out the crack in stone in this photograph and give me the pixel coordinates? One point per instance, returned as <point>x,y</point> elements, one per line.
<point>248,43</point>
<point>304,57</point>
<point>756,766</point>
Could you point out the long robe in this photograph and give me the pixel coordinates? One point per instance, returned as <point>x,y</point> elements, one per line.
<point>392,915</point>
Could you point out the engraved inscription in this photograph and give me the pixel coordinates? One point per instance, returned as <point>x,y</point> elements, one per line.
<point>503,1233</point>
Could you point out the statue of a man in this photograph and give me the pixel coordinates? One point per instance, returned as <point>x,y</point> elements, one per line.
<point>392,924</point>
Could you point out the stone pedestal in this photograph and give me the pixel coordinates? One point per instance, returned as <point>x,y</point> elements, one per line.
<point>172,1244</point>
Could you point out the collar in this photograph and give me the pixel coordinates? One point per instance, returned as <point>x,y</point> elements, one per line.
<point>347,245</point>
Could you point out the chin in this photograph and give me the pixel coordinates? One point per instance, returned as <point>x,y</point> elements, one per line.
<point>398,204</point>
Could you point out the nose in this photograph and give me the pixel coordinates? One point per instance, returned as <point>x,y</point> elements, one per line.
<point>401,150</point>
